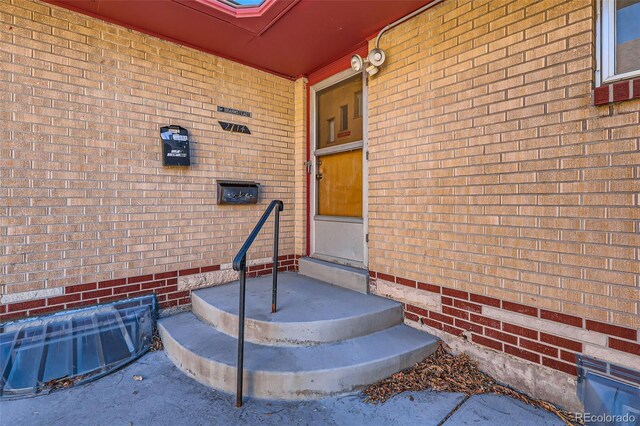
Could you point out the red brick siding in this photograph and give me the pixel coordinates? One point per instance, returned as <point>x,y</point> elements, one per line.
<point>164,285</point>
<point>617,92</point>
<point>538,347</point>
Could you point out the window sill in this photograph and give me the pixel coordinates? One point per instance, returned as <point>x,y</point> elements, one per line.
<point>617,92</point>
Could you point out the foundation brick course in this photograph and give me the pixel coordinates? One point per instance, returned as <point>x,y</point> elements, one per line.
<point>164,285</point>
<point>552,345</point>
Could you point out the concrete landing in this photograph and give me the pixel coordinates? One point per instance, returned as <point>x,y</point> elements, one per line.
<point>165,396</point>
<point>309,311</point>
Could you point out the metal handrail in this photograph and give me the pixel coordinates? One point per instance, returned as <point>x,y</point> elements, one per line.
<point>240,264</point>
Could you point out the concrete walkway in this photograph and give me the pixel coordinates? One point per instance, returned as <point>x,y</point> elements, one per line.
<point>168,397</point>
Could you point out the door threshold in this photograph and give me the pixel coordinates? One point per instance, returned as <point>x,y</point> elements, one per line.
<point>339,261</point>
<point>355,279</point>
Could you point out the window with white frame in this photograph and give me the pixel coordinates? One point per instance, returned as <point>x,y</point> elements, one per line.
<point>619,39</point>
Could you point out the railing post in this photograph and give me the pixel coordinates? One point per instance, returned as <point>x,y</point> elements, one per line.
<point>240,265</point>
<point>274,290</point>
<point>240,367</point>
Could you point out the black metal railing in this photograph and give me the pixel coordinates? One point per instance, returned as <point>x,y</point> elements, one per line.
<point>240,264</point>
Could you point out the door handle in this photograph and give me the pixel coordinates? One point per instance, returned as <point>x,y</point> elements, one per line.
<point>319,176</point>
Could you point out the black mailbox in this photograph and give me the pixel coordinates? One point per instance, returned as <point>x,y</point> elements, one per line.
<point>175,146</point>
<point>237,192</point>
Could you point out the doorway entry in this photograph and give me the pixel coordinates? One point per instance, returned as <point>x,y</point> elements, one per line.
<point>338,193</point>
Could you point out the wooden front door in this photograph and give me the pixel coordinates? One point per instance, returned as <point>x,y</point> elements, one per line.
<point>340,184</point>
<point>338,221</point>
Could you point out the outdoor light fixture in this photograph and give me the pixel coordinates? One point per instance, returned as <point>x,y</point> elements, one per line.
<point>372,70</point>
<point>375,58</point>
<point>357,63</point>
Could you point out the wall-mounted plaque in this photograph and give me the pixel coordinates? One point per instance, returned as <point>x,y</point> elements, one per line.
<point>234,111</point>
<point>237,192</point>
<point>234,128</point>
<point>175,146</point>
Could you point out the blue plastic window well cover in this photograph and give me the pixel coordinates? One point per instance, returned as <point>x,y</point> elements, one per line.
<point>610,393</point>
<point>38,354</point>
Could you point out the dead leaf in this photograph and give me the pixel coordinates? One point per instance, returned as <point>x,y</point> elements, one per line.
<point>156,341</point>
<point>64,382</point>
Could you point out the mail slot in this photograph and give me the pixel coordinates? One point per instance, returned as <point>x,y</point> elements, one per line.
<point>237,192</point>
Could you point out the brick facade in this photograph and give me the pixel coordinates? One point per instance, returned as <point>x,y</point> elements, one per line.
<point>495,181</point>
<point>84,196</point>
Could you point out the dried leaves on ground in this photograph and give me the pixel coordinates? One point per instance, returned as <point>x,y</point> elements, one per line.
<point>64,382</point>
<point>444,372</point>
<point>156,342</point>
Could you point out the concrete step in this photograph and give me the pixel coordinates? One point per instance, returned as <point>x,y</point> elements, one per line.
<point>343,276</point>
<point>309,312</point>
<point>291,372</point>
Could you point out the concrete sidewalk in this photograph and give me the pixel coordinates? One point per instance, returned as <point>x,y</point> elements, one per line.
<point>167,397</point>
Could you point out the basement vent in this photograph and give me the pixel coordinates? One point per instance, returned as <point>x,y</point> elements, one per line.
<point>40,354</point>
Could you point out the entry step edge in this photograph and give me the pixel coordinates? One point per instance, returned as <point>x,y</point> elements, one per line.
<point>348,277</point>
<point>291,372</point>
<point>309,312</point>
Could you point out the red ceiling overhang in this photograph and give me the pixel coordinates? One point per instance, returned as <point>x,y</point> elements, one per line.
<point>290,38</point>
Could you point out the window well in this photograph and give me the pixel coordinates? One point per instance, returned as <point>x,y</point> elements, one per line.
<point>37,354</point>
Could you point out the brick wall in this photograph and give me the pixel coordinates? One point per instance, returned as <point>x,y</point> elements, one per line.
<point>85,200</point>
<point>300,168</point>
<point>503,205</point>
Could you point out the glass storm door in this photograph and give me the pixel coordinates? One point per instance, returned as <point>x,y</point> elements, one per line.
<point>338,222</point>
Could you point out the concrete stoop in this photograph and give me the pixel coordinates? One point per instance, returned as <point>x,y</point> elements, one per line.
<point>343,276</point>
<point>324,340</point>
